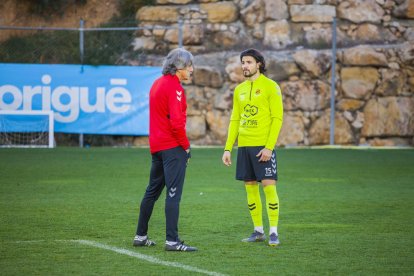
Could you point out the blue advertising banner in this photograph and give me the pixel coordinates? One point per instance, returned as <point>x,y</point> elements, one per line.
<point>85,99</point>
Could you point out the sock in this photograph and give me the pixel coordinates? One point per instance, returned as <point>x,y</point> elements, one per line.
<point>140,238</point>
<point>272,206</point>
<point>273,230</point>
<point>259,229</point>
<point>255,205</point>
<point>171,242</point>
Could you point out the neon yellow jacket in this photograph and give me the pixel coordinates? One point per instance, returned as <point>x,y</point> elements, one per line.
<point>257,114</point>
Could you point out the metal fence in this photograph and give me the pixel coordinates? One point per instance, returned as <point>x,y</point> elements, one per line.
<point>79,45</point>
<point>96,46</point>
<point>58,45</point>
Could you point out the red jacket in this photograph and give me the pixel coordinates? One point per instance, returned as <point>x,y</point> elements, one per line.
<point>168,114</point>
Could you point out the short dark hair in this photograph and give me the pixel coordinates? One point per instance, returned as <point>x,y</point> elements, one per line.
<point>257,56</point>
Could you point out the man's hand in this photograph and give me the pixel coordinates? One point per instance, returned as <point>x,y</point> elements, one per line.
<point>188,151</point>
<point>226,158</point>
<point>264,155</point>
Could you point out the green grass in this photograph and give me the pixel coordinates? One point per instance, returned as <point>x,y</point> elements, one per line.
<point>342,212</point>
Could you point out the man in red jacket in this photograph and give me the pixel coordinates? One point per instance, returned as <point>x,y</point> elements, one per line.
<point>170,148</point>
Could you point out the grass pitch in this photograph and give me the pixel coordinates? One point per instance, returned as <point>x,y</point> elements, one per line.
<point>342,212</point>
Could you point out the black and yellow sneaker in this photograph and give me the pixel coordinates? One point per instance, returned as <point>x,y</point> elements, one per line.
<point>273,239</point>
<point>255,237</point>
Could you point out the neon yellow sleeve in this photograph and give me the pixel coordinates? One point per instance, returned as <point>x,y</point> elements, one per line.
<point>274,133</point>
<point>232,136</point>
<point>234,124</point>
<point>276,113</point>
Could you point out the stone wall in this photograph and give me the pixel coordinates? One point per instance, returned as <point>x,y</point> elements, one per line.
<point>374,102</point>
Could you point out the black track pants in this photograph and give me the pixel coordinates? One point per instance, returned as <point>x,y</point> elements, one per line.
<point>167,169</point>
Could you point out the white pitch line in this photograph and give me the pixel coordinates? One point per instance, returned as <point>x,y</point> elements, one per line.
<point>146,257</point>
<point>133,254</point>
<point>33,241</point>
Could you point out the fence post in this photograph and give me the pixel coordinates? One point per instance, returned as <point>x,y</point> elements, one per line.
<point>81,52</point>
<point>180,33</point>
<point>81,42</point>
<point>333,79</point>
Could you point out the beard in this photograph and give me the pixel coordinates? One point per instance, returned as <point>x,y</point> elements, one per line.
<point>249,74</point>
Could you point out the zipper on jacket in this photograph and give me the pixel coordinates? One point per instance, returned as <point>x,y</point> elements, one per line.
<point>251,88</point>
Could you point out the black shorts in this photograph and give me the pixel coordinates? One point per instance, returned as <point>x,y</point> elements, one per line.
<point>250,169</point>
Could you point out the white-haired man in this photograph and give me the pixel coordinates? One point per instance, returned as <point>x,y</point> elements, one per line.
<point>170,148</point>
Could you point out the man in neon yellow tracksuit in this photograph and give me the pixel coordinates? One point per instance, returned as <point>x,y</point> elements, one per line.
<point>255,122</point>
